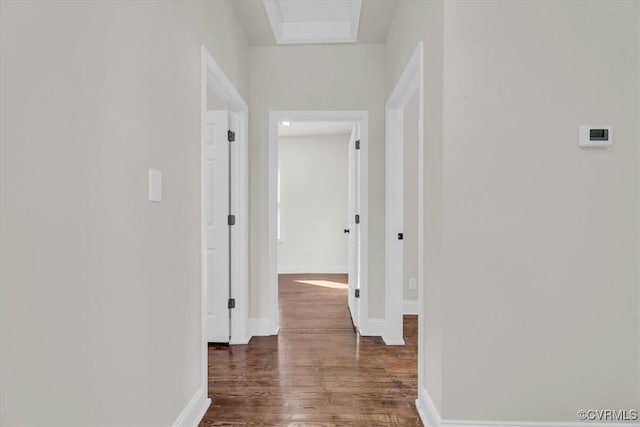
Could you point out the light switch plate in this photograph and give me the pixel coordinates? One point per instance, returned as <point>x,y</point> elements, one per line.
<point>155,185</point>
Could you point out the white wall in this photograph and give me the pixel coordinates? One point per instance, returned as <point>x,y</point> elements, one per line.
<point>313,203</point>
<point>315,77</point>
<point>410,196</point>
<point>100,295</point>
<point>541,236</point>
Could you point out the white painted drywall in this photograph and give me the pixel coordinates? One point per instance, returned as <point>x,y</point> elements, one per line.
<point>539,238</point>
<point>319,77</point>
<point>417,21</point>
<point>313,203</point>
<point>540,235</point>
<point>410,198</point>
<point>100,294</point>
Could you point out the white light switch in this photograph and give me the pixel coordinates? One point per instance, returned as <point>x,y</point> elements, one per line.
<point>155,185</point>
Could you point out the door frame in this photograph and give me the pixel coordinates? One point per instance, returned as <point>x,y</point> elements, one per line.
<point>214,79</point>
<point>352,209</point>
<point>409,84</point>
<point>352,116</point>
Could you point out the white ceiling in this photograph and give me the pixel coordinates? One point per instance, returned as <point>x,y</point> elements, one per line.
<point>315,128</point>
<point>375,18</point>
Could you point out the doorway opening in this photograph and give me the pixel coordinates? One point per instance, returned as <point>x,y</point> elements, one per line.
<point>318,205</point>
<point>224,209</point>
<point>315,179</point>
<point>404,178</point>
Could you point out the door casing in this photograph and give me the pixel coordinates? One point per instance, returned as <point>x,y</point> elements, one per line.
<point>353,229</point>
<point>352,116</point>
<point>409,84</point>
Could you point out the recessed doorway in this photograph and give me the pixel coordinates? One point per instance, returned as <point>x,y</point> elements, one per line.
<point>318,202</point>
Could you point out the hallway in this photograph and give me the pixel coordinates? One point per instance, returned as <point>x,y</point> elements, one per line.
<point>317,371</point>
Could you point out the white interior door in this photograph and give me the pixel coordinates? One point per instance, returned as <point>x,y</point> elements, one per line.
<point>217,231</point>
<point>352,230</point>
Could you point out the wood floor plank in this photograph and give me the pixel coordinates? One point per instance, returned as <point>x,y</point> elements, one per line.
<point>317,371</point>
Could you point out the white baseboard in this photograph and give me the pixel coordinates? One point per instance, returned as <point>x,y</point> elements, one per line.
<point>372,328</point>
<point>193,413</point>
<point>427,409</point>
<point>431,418</point>
<point>240,341</point>
<point>411,307</point>
<point>313,269</point>
<point>473,423</point>
<point>389,341</point>
<point>261,327</point>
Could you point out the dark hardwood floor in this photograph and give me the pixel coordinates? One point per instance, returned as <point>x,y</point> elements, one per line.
<point>317,371</point>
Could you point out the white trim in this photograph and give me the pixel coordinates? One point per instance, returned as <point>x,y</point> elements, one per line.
<point>430,417</point>
<point>387,341</point>
<point>313,32</point>
<point>242,340</point>
<point>373,328</point>
<point>194,411</point>
<point>261,327</point>
<point>361,117</point>
<point>473,423</point>
<point>411,307</point>
<point>240,232</point>
<point>409,84</point>
<point>352,241</point>
<point>427,410</point>
<point>313,269</point>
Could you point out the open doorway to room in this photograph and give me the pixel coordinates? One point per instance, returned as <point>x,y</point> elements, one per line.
<point>404,209</point>
<point>224,208</point>
<point>318,216</point>
<point>313,227</point>
<point>224,193</point>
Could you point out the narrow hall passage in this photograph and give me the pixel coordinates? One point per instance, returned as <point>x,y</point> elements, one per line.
<point>317,371</point>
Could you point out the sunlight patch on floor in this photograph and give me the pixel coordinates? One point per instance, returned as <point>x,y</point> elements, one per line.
<point>324,284</point>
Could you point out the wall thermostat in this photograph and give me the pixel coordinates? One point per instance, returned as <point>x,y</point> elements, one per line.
<point>595,136</point>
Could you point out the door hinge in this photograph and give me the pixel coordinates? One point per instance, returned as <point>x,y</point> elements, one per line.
<point>357,219</point>
<point>357,144</point>
<point>231,303</point>
<point>357,293</point>
<point>400,236</point>
<point>231,136</point>
<point>231,220</point>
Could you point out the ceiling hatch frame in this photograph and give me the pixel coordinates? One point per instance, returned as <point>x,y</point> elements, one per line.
<point>313,32</point>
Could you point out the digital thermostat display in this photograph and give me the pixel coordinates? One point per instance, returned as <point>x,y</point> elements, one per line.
<point>598,134</point>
